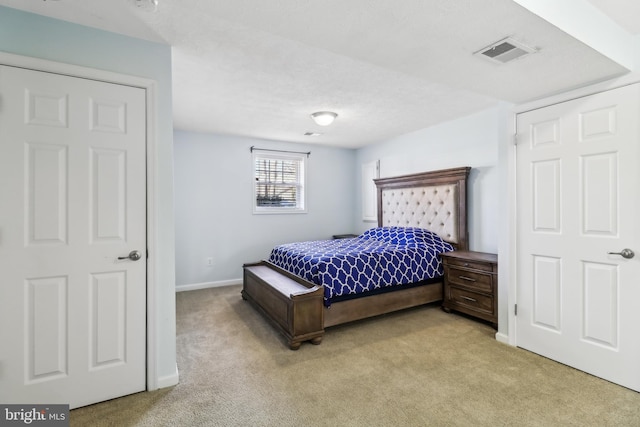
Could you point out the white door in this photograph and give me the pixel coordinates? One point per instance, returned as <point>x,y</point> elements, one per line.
<point>72,200</point>
<point>578,181</point>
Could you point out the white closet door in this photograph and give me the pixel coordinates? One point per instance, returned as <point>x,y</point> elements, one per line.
<point>72,185</point>
<point>578,204</point>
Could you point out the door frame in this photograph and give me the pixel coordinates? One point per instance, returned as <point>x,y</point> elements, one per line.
<point>510,226</point>
<point>150,88</point>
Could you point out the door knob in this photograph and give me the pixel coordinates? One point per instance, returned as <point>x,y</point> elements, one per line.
<point>625,253</point>
<point>133,256</point>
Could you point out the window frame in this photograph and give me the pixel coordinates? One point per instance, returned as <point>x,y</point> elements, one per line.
<point>301,201</point>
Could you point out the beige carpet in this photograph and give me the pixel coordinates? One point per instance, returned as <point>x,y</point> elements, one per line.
<point>420,367</point>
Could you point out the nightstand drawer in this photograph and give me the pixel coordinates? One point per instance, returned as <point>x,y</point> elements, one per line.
<point>472,300</point>
<point>478,281</point>
<point>470,264</point>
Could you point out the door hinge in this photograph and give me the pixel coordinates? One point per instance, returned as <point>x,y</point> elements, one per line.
<point>515,139</point>
<point>515,309</point>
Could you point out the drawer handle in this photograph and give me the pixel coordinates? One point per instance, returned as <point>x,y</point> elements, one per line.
<point>469,279</point>
<point>468,298</point>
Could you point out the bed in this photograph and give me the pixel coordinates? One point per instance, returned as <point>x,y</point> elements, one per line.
<point>305,287</point>
<point>379,260</point>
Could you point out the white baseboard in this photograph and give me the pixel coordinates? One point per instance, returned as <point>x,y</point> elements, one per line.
<point>169,380</point>
<point>503,338</point>
<point>204,285</point>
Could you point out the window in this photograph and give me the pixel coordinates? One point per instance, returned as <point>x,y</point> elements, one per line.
<point>370,171</point>
<point>279,183</point>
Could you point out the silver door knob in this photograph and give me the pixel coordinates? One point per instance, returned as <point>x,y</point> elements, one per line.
<point>625,253</point>
<point>133,256</point>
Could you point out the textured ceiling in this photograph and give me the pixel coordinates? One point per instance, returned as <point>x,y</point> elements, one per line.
<point>259,68</point>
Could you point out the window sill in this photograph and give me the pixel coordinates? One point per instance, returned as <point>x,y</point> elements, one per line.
<point>278,211</point>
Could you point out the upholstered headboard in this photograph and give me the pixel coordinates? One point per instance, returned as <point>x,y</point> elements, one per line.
<point>436,201</point>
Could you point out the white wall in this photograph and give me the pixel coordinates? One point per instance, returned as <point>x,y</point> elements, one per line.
<point>469,141</point>
<point>481,141</point>
<point>33,35</point>
<point>213,193</point>
<point>593,28</point>
<point>214,214</point>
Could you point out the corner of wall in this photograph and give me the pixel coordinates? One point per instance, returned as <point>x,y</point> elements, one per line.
<point>169,380</point>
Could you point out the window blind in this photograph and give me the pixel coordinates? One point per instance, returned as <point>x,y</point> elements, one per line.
<point>278,182</point>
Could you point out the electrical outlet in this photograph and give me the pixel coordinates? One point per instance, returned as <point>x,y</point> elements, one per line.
<point>210,261</point>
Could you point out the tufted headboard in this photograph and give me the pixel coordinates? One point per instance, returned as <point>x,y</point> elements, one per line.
<point>436,201</point>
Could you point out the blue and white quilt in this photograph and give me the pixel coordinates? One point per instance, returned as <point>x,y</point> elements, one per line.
<point>380,257</point>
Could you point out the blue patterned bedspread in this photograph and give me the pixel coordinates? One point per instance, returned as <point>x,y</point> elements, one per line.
<point>380,257</point>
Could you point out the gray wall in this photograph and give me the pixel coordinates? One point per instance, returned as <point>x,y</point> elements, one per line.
<point>214,213</point>
<point>468,141</point>
<point>33,35</point>
<point>213,193</point>
<point>479,140</point>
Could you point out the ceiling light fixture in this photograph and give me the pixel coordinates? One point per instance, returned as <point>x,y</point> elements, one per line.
<point>324,118</point>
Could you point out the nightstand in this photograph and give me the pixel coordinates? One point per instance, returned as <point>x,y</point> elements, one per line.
<point>471,284</point>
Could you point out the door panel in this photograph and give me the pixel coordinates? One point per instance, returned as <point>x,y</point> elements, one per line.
<point>47,332</point>
<point>599,180</point>
<point>46,189</point>
<point>577,180</point>
<point>601,308</point>
<point>73,183</point>
<point>547,287</point>
<point>108,195</point>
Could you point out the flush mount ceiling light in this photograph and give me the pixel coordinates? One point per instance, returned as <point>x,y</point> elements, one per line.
<point>324,118</point>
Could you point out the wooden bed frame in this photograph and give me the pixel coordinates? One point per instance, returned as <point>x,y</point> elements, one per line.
<point>433,200</point>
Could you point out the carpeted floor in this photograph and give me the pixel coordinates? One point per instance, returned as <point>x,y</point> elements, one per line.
<point>419,367</point>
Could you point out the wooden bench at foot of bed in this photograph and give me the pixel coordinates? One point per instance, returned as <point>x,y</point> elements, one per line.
<point>293,304</point>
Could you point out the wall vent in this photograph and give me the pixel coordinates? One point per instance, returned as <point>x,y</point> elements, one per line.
<point>504,51</point>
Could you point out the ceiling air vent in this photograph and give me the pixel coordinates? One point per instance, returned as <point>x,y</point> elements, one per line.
<point>504,51</point>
